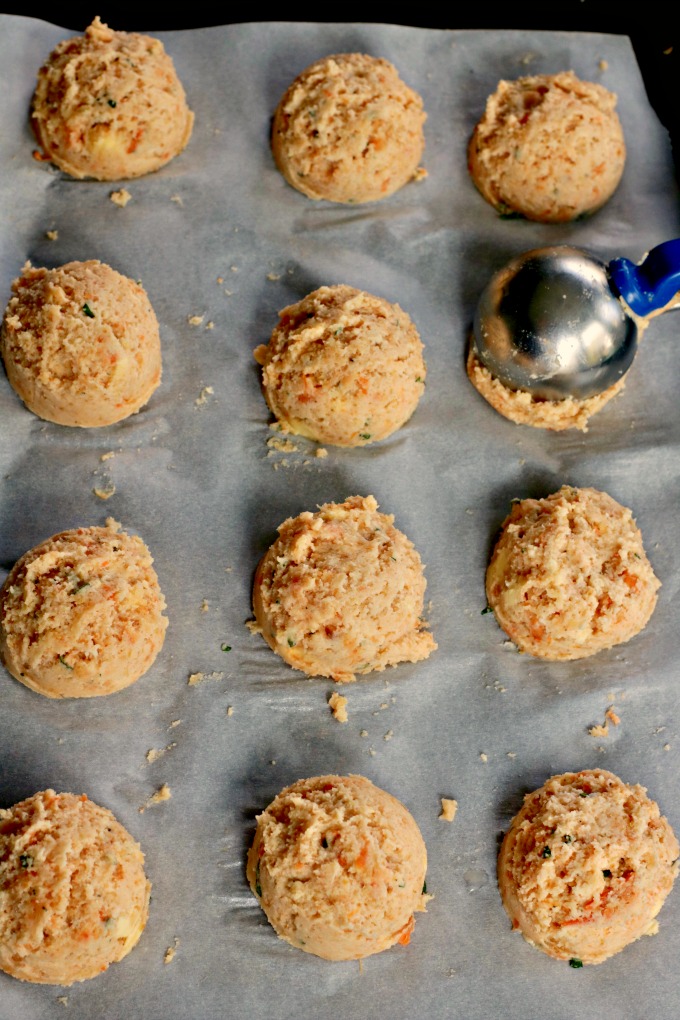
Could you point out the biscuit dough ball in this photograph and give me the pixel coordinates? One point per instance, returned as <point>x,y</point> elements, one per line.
<point>81,344</point>
<point>73,894</point>
<point>549,147</point>
<point>586,866</point>
<point>569,575</point>
<point>81,615</point>
<point>526,408</point>
<point>342,367</point>
<point>349,130</point>
<point>338,866</point>
<point>341,592</point>
<point>109,105</point>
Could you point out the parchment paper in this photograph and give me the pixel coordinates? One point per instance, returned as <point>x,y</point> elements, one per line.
<point>218,234</point>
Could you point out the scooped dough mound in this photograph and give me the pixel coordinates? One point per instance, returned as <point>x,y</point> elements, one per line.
<point>81,615</point>
<point>348,130</point>
<point>549,147</point>
<point>586,866</point>
<point>341,592</point>
<point>81,344</point>
<point>338,866</point>
<point>527,409</point>
<point>73,894</point>
<point>343,367</point>
<point>569,575</point>
<point>109,105</point>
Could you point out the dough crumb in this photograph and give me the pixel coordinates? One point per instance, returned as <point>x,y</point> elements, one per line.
<point>612,716</point>
<point>282,445</point>
<point>205,606</point>
<point>599,731</point>
<point>176,199</point>
<point>363,733</point>
<point>195,320</point>
<point>273,276</point>
<point>484,757</point>
<point>63,999</point>
<point>121,197</point>
<point>162,793</point>
<point>449,808</point>
<point>52,235</point>
<point>175,722</point>
<point>338,706</point>
<point>170,952</point>
<point>206,392</point>
<point>107,456</point>
<point>511,754</point>
<point>389,735</point>
<point>197,678</point>
<point>420,174</point>
<point>230,710</point>
<point>154,753</point>
<point>603,65</point>
<point>321,452</point>
<point>105,493</point>
<point>210,325</point>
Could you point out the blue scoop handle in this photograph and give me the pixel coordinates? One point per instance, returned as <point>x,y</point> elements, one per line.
<point>652,284</point>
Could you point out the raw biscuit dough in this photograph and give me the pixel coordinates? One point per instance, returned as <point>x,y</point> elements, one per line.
<point>526,409</point>
<point>81,344</point>
<point>73,894</point>
<point>549,147</point>
<point>109,105</point>
<point>338,866</point>
<point>586,866</point>
<point>81,615</point>
<point>569,575</point>
<point>342,367</point>
<point>341,592</point>
<point>348,130</point>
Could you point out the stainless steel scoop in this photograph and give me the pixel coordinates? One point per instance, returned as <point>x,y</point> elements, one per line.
<point>556,321</point>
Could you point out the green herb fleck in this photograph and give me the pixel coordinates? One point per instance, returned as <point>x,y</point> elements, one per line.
<point>338,331</point>
<point>63,661</point>
<point>607,873</point>
<point>424,893</point>
<point>26,860</point>
<point>583,793</point>
<point>546,852</point>
<point>88,311</point>
<point>112,103</point>
<point>258,887</point>
<point>576,964</point>
<point>486,611</point>
<point>364,435</point>
<point>566,839</point>
<point>225,648</point>
<point>419,378</point>
<point>291,643</point>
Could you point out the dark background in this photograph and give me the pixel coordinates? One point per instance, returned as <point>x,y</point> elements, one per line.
<point>648,24</point>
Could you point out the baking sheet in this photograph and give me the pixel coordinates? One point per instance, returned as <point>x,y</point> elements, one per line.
<point>194,476</point>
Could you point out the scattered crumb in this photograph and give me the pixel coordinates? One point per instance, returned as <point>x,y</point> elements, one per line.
<point>63,999</point>
<point>228,292</point>
<point>666,747</point>
<point>372,752</point>
<point>205,606</point>
<point>154,753</point>
<point>509,645</point>
<point>106,493</point>
<point>273,276</point>
<point>206,392</point>
<point>603,65</point>
<point>484,757</point>
<point>612,716</point>
<point>220,279</point>
<point>175,722</point>
<point>230,710</point>
<point>162,793</point>
<point>420,174</point>
<point>338,706</point>
<point>599,731</point>
<point>389,735</point>
<point>170,951</point>
<point>511,754</point>
<point>449,808</point>
<point>210,325</point>
<point>121,197</point>
<point>273,761</point>
<point>198,678</point>
<point>113,524</point>
<point>321,452</point>
<point>195,320</point>
<point>282,445</point>
<point>107,456</point>
<point>52,235</point>
<point>234,269</point>
<point>177,199</point>
<point>667,52</point>
<point>384,706</point>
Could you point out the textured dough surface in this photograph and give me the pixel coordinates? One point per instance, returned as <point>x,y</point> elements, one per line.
<point>348,130</point>
<point>73,894</point>
<point>342,367</point>
<point>586,866</point>
<point>338,866</point>
<point>81,615</point>
<point>549,147</point>
<point>569,576</point>
<point>81,344</point>
<point>109,105</point>
<point>526,409</point>
<point>341,592</point>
